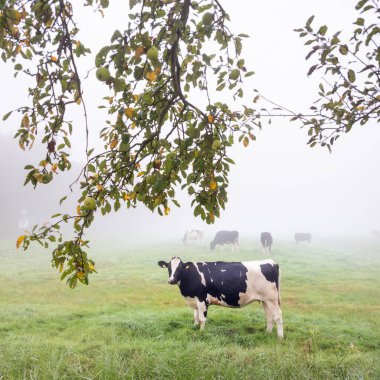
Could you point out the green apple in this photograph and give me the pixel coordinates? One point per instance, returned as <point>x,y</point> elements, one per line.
<point>103,74</point>
<point>89,204</point>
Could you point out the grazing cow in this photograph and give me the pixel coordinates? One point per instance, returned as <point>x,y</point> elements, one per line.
<point>234,284</point>
<point>193,237</point>
<point>226,237</point>
<point>266,241</point>
<point>302,236</point>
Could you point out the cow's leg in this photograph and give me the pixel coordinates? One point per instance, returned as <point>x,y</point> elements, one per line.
<point>202,313</point>
<point>268,315</point>
<point>274,315</point>
<point>196,318</point>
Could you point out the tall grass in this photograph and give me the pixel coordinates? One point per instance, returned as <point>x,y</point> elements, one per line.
<point>130,324</point>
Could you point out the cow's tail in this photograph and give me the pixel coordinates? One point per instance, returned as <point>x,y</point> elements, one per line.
<point>278,281</point>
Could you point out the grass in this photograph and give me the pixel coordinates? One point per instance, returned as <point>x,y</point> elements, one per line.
<point>130,324</point>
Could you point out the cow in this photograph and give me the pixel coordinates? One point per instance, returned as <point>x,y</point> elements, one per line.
<point>226,237</point>
<point>229,284</point>
<point>266,241</point>
<point>193,237</point>
<point>302,236</point>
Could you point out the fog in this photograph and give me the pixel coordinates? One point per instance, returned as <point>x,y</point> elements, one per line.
<point>278,184</point>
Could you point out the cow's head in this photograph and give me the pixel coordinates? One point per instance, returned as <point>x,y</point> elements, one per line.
<point>175,266</point>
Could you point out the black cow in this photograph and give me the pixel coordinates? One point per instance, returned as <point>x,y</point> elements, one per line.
<point>234,284</point>
<point>266,241</point>
<point>226,237</point>
<point>302,236</point>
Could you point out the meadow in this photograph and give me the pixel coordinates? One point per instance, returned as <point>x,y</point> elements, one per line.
<point>130,324</point>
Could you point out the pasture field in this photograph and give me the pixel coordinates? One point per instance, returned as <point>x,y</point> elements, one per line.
<point>130,324</point>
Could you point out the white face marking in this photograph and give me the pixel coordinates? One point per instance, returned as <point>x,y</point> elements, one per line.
<point>174,265</point>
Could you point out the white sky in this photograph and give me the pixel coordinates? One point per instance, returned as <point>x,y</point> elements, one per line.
<point>278,183</point>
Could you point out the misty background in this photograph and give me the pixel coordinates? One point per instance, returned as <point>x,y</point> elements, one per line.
<point>278,184</point>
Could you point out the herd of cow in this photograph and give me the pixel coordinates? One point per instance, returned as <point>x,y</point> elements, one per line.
<point>230,284</point>
<point>195,237</point>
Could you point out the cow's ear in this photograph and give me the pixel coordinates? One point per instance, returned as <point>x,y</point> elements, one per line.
<point>163,264</point>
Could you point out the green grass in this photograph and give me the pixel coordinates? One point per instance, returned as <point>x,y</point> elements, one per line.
<point>130,324</point>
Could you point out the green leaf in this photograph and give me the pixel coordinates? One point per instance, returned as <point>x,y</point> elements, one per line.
<point>238,46</point>
<point>343,49</point>
<point>309,20</point>
<point>198,210</point>
<point>359,21</point>
<point>5,117</point>
<point>351,76</point>
<point>322,30</point>
<point>360,4</point>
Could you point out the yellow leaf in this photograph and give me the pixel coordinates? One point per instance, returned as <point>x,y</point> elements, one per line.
<point>130,196</point>
<point>20,239</point>
<point>60,268</point>
<point>133,126</point>
<point>54,168</point>
<point>139,52</point>
<point>91,267</point>
<point>245,141</point>
<point>167,210</point>
<point>140,174</point>
<point>360,108</point>
<point>212,217</point>
<point>129,112</point>
<point>113,143</point>
<point>80,275</point>
<point>151,76</point>
<point>136,97</point>
<point>54,58</point>
<point>25,121</point>
<point>213,185</point>
<point>78,100</point>
<point>78,210</point>
<point>210,118</point>
<point>99,187</point>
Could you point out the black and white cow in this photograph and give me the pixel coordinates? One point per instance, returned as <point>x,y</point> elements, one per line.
<point>193,237</point>
<point>266,241</point>
<point>233,284</point>
<point>226,237</point>
<point>302,236</point>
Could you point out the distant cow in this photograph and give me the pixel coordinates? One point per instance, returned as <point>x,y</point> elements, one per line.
<point>266,241</point>
<point>302,236</point>
<point>193,237</point>
<point>234,284</point>
<point>226,237</point>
